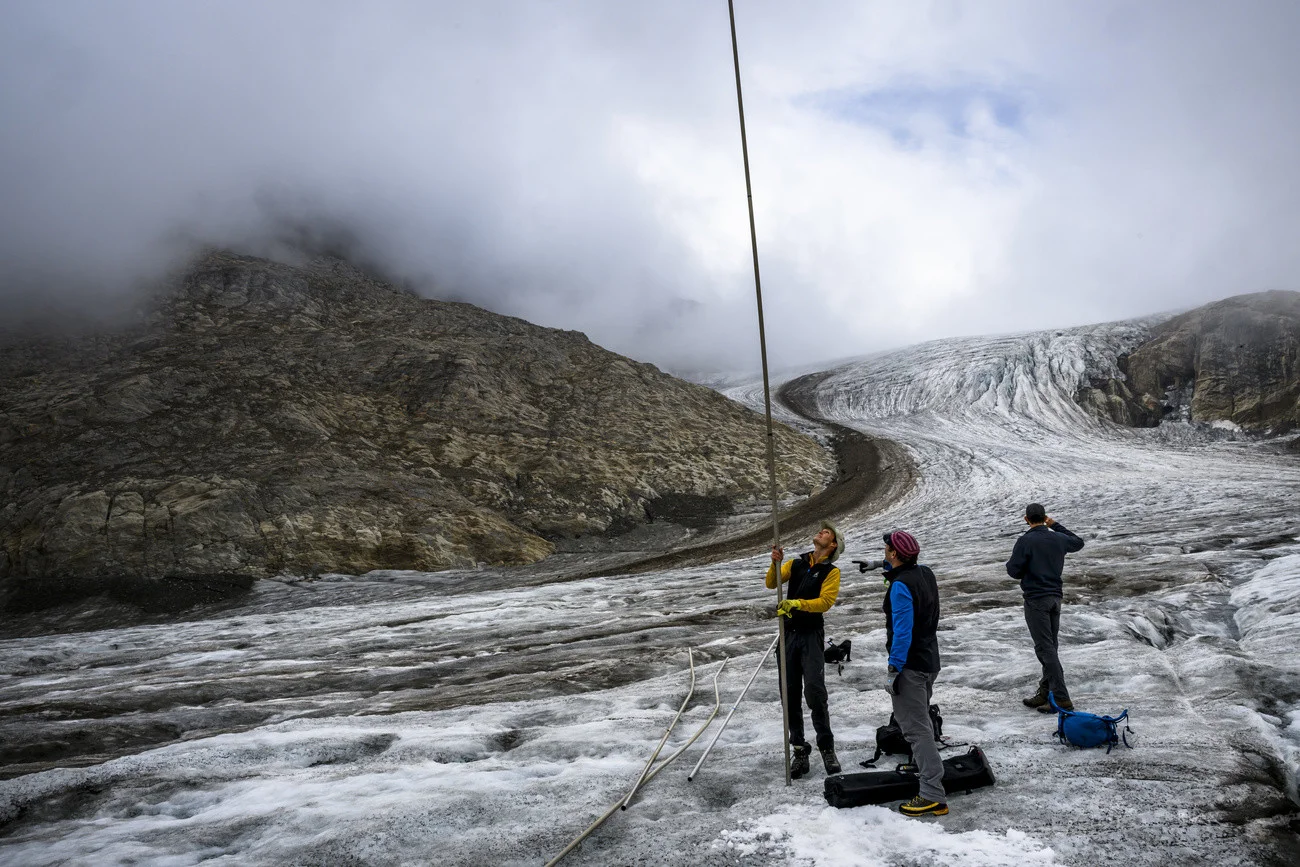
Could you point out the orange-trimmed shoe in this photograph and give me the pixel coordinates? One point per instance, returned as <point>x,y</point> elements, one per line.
<point>919,806</point>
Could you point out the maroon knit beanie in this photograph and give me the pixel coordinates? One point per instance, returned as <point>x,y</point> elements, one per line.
<point>904,543</point>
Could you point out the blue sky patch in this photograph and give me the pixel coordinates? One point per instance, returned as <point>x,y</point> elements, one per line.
<point>895,109</point>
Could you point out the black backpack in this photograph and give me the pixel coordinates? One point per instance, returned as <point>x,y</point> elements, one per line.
<point>890,740</point>
<point>838,654</point>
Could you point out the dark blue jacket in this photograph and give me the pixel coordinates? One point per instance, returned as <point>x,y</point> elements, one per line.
<point>1039,557</point>
<point>912,618</point>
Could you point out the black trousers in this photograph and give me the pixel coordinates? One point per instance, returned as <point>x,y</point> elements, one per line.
<point>1043,617</point>
<point>805,677</point>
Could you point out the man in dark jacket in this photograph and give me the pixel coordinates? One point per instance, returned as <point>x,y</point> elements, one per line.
<point>813,586</point>
<point>911,634</point>
<point>1036,562</point>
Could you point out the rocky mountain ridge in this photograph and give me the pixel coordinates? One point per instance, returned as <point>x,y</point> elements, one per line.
<point>267,419</point>
<point>1236,360</point>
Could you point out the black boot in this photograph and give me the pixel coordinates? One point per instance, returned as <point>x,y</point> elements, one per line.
<point>830,761</point>
<point>799,761</point>
<point>1038,699</point>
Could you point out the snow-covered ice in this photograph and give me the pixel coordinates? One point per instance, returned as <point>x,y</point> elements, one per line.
<point>451,718</point>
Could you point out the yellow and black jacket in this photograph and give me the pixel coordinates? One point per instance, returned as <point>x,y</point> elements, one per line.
<point>818,584</point>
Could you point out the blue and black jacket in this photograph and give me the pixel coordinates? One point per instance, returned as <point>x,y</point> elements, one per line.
<point>912,618</point>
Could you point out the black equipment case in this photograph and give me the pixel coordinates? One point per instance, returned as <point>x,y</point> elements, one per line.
<point>963,773</point>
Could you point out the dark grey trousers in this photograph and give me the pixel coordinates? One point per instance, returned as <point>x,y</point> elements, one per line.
<point>912,691</point>
<point>1043,617</point>
<point>805,673</point>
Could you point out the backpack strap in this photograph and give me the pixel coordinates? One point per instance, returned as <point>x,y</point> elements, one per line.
<point>871,762</point>
<point>1123,717</point>
<point>1116,736</point>
<point>1061,714</point>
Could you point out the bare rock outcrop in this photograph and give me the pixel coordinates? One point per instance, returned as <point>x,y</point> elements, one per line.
<point>266,419</point>
<point>1236,360</point>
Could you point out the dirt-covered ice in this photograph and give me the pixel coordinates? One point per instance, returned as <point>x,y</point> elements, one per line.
<point>408,719</point>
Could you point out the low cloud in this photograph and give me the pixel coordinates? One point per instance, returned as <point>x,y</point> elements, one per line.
<point>919,170</point>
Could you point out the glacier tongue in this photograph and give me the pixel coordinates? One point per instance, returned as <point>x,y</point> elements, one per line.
<point>1183,606</point>
<point>403,718</point>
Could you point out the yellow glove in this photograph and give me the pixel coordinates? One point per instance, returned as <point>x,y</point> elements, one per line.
<point>788,606</point>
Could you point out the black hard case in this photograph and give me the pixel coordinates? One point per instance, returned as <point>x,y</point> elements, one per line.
<point>963,773</point>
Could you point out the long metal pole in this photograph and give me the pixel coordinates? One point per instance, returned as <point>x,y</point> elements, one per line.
<point>717,706</point>
<point>648,765</point>
<point>593,826</point>
<point>767,393</point>
<point>623,802</point>
<point>731,712</point>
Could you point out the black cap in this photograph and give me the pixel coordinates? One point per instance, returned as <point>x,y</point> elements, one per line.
<point>1035,512</point>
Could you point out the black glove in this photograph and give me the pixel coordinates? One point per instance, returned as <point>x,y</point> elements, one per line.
<point>867,565</point>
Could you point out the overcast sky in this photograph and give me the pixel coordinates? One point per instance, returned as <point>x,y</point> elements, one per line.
<point>920,169</point>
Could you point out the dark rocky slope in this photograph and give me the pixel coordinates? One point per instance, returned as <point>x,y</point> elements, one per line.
<point>1235,360</point>
<point>265,419</point>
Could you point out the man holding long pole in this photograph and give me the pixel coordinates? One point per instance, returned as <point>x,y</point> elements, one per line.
<point>814,584</point>
<point>767,390</point>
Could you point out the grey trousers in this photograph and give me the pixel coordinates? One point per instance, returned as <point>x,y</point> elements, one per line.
<point>1043,617</point>
<point>912,691</point>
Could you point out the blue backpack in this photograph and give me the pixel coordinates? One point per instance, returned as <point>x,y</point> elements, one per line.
<point>1086,730</point>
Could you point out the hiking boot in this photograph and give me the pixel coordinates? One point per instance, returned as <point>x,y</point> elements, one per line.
<point>1038,700</point>
<point>919,806</point>
<point>828,759</point>
<point>1063,705</point>
<point>799,762</point>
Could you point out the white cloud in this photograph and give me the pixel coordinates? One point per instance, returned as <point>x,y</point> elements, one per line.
<point>919,170</point>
